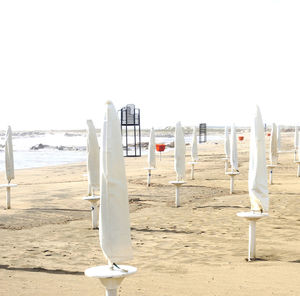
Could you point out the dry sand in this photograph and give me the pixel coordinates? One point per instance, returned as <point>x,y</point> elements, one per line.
<point>197,249</point>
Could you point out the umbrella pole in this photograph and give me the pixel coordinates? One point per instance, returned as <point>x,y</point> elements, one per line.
<point>149,177</point>
<point>298,172</point>
<point>177,198</point>
<point>295,155</point>
<point>231,184</point>
<point>95,213</point>
<point>8,205</point>
<point>192,172</point>
<point>271,177</point>
<point>252,240</point>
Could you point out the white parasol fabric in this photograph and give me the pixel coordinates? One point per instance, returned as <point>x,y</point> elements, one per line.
<point>278,138</point>
<point>93,158</point>
<point>233,150</point>
<point>273,145</point>
<point>114,222</point>
<point>258,178</point>
<point>179,152</point>
<point>151,150</point>
<point>226,143</point>
<point>296,138</point>
<point>9,156</point>
<point>194,150</point>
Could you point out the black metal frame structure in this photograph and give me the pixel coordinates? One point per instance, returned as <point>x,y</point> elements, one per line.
<point>202,133</point>
<point>131,124</point>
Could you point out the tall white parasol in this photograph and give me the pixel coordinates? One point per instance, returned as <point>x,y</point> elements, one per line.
<point>151,149</point>
<point>226,143</point>
<point>194,150</point>
<point>9,156</point>
<point>114,223</point>
<point>278,138</point>
<point>273,145</point>
<point>257,178</point>
<point>233,150</point>
<point>179,152</point>
<point>93,161</point>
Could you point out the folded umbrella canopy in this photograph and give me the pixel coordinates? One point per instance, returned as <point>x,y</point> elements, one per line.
<point>233,150</point>
<point>179,152</point>
<point>273,145</point>
<point>93,161</point>
<point>151,150</point>
<point>9,156</point>
<point>226,143</point>
<point>257,177</point>
<point>278,138</point>
<point>194,151</point>
<point>114,223</point>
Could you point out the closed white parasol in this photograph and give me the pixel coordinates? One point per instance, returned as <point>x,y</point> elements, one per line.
<point>9,156</point>
<point>114,223</point>
<point>233,150</point>
<point>257,178</point>
<point>194,151</point>
<point>93,161</point>
<point>179,152</point>
<point>151,150</point>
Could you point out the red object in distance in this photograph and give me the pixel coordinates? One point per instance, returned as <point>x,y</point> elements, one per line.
<point>160,147</point>
<point>268,134</point>
<point>241,138</point>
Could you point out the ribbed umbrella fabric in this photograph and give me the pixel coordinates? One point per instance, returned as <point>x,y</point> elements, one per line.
<point>257,177</point>
<point>273,145</point>
<point>226,143</point>
<point>179,152</point>
<point>9,156</point>
<point>114,222</point>
<point>151,150</point>
<point>233,149</point>
<point>93,158</point>
<point>194,150</point>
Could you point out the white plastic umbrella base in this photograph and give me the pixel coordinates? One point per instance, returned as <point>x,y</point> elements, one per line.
<point>94,209</point>
<point>177,184</point>
<point>8,186</point>
<point>252,217</point>
<point>110,277</point>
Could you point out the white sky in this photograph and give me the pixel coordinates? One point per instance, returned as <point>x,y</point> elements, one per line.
<point>195,61</point>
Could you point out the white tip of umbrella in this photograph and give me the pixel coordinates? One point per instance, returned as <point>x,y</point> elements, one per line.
<point>108,102</point>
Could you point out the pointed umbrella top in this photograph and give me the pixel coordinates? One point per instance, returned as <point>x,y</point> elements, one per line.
<point>179,152</point>
<point>9,156</point>
<point>257,178</point>
<point>114,223</point>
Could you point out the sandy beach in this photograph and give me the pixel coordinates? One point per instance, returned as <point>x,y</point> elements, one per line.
<point>197,249</point>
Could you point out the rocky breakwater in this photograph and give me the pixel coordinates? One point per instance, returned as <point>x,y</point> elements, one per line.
<point>61,148</point>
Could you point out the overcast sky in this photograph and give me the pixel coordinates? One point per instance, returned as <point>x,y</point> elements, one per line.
<point>194,61</point>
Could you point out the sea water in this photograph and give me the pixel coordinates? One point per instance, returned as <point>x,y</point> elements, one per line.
<point>75,145</point>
